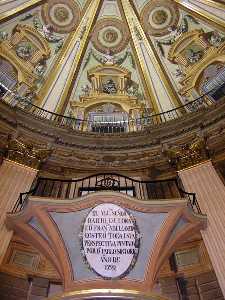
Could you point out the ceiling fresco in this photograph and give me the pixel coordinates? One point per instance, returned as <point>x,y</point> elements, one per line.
<point>165,45</point>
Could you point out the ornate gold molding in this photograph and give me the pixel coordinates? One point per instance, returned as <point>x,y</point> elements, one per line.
<point>78,42</point>
<point>20,9</point>
<point>26,154</point>
<point>187,155</point>
<point>56,67</point>
<point>205,16</point>
<point>215,4</point>
<point>122,293</point>
<point>82,33</point>
<point>206,55</point>
<point>28,38</point>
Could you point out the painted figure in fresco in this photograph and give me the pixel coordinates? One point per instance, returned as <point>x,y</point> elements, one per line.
<point>109,87</point>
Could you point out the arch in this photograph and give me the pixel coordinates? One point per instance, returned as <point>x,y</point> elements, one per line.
<point>182,42</point>
<point>34,36</point>
<point>117,102</point>
<point>197,75</point>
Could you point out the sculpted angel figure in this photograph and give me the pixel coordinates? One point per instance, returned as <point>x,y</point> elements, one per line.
<point>109,58</point>
<point>85,89</point>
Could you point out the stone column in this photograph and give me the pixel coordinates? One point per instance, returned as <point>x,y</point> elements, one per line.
<point>203,180</point>
<point>15,178</point>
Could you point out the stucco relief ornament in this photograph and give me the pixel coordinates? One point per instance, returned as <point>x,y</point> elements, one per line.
<point>24,50</point>
<point>108,58</point>
<point>83,30</point>
<point>46,31</point>
<point>215,39</point>
<point>3,36</point>
<point>132,90</point>
<point>85,89</point>
<point>109,87</point>
<point>40,68</point>
<point>137,33</point>
<point>194,56</point>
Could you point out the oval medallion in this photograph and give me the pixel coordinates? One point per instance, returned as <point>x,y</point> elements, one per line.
<point>110,241</point>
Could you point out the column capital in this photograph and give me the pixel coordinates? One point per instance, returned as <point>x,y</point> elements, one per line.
<point>188,154</point>
<point>27,154</point>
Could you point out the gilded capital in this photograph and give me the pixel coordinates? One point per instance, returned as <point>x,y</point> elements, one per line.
<point>27,154</point>
<point>187,155</point>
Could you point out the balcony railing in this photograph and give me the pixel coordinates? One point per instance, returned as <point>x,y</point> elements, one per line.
<point>123,126</point>
<point>142,190</point>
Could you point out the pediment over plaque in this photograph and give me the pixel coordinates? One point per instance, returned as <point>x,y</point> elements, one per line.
<point>106,240</point>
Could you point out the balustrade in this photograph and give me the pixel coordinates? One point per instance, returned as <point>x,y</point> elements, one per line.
<point>142,190</point>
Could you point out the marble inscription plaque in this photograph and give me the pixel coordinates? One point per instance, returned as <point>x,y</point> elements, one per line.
<point>110,241</point>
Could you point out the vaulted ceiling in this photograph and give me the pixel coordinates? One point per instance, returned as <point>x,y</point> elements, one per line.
<point>166,45</point>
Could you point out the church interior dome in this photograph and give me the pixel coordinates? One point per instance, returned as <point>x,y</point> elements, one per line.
<point>102,89</point>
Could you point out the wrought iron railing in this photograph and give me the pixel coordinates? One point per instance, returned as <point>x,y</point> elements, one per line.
<point>142,190</point>
<point>129,125</point>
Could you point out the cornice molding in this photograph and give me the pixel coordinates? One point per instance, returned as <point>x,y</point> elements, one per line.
<point>127,151</point>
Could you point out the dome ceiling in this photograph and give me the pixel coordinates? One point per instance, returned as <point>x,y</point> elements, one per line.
<point>110,33</point>
<point>165,45</point>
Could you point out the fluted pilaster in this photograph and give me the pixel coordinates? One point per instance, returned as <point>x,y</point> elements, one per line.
<point>203,180</point>
<point>14,179</point>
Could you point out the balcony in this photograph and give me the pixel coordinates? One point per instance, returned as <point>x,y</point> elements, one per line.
<point>127,125</point>
<point>142,190</point>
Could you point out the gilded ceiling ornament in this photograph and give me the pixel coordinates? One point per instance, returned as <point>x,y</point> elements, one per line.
<point>25,50</point>
<point>63,16</point>
<point>193,53</point>
<point>108,58</point>
<point>46,30</point>
<point>3,35</point>
<point>187,155</point>
<point>158,16</point>
<point>110,34</point>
